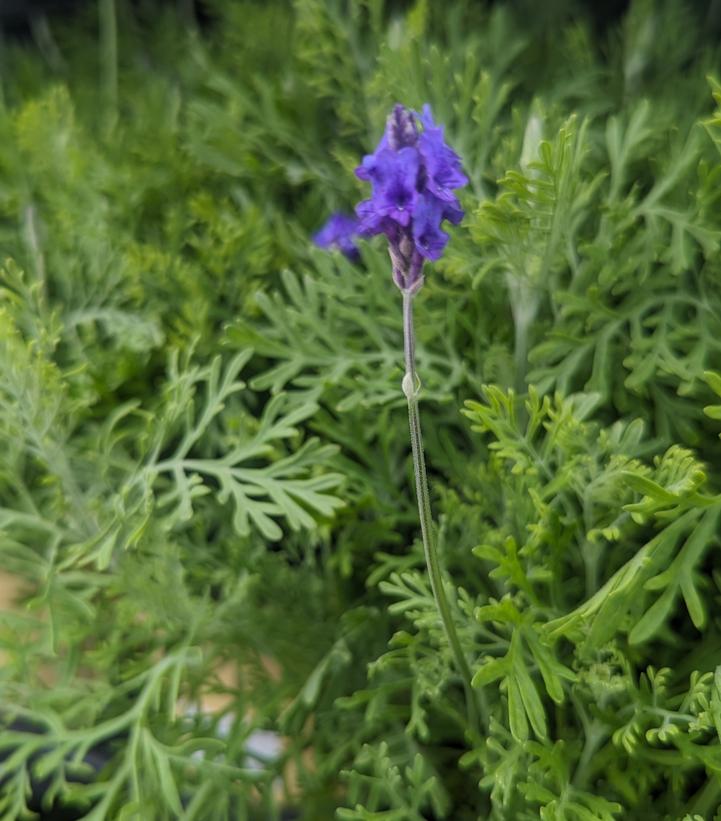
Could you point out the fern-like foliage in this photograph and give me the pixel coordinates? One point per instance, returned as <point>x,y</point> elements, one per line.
<point>205,508</point>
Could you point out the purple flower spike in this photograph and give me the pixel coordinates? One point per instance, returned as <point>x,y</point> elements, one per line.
<point>338,234</point>
<point>413,175</point>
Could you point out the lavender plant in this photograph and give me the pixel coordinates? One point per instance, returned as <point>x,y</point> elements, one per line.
<point>413,174</point>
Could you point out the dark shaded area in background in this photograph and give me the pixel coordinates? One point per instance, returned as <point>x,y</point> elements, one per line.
<point>20,18</point>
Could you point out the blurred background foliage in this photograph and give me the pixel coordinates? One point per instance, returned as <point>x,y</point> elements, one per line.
<point>205,501</point>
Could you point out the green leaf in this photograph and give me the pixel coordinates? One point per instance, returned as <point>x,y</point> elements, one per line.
<point>694,602</point>
<point>648,487</point>
<point>713,380</point>
<point>521,679</point>
<point>518,722</point>
<point>653,618</point>
<point>491,671</point>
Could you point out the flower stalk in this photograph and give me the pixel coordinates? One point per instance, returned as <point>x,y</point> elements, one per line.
<point>411,388</point>
<point>413,175</point>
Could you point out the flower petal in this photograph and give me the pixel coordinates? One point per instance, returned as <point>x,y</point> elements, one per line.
<point>427,235</point>
<point>338,232</point>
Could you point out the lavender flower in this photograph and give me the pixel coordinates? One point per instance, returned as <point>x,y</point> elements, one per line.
<point>338,234</point>
<point>412,175</point>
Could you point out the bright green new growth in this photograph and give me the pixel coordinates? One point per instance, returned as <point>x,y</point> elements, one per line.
<point>204,476</point>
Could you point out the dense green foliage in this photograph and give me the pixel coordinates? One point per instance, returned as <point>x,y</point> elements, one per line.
<point>204,459</point>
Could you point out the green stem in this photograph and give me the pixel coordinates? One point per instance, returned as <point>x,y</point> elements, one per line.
<point>596,734</point>
<point>411,388</point>
<point>707,798</point>
<point>109,58</point>
<point>524,307</point>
